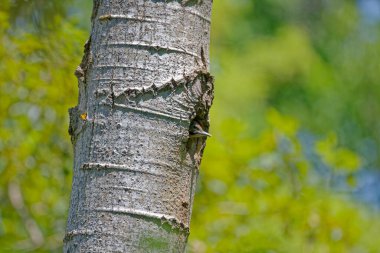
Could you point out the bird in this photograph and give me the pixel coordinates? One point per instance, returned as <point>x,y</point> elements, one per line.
<point>196,130</point>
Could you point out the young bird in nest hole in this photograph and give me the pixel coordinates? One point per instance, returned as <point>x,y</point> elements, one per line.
<point>196,130</point>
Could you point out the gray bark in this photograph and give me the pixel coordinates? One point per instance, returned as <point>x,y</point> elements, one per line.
<point>143,82</point>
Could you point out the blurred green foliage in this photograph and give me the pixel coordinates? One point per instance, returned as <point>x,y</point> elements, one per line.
<point>37,87</point>
<point>295,113</point>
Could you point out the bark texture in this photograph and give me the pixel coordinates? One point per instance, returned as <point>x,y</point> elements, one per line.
<point>143,82</point>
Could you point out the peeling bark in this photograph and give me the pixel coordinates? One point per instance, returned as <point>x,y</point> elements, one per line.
<point>143,83</point>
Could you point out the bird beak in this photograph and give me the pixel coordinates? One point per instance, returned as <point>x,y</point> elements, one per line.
<point>199,133</point>
<point>205,133</point>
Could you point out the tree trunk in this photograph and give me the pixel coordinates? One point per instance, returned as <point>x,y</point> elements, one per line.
<point>143,86</point>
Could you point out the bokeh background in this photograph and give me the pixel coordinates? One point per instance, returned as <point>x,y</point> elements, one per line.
<point>293,164</point>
